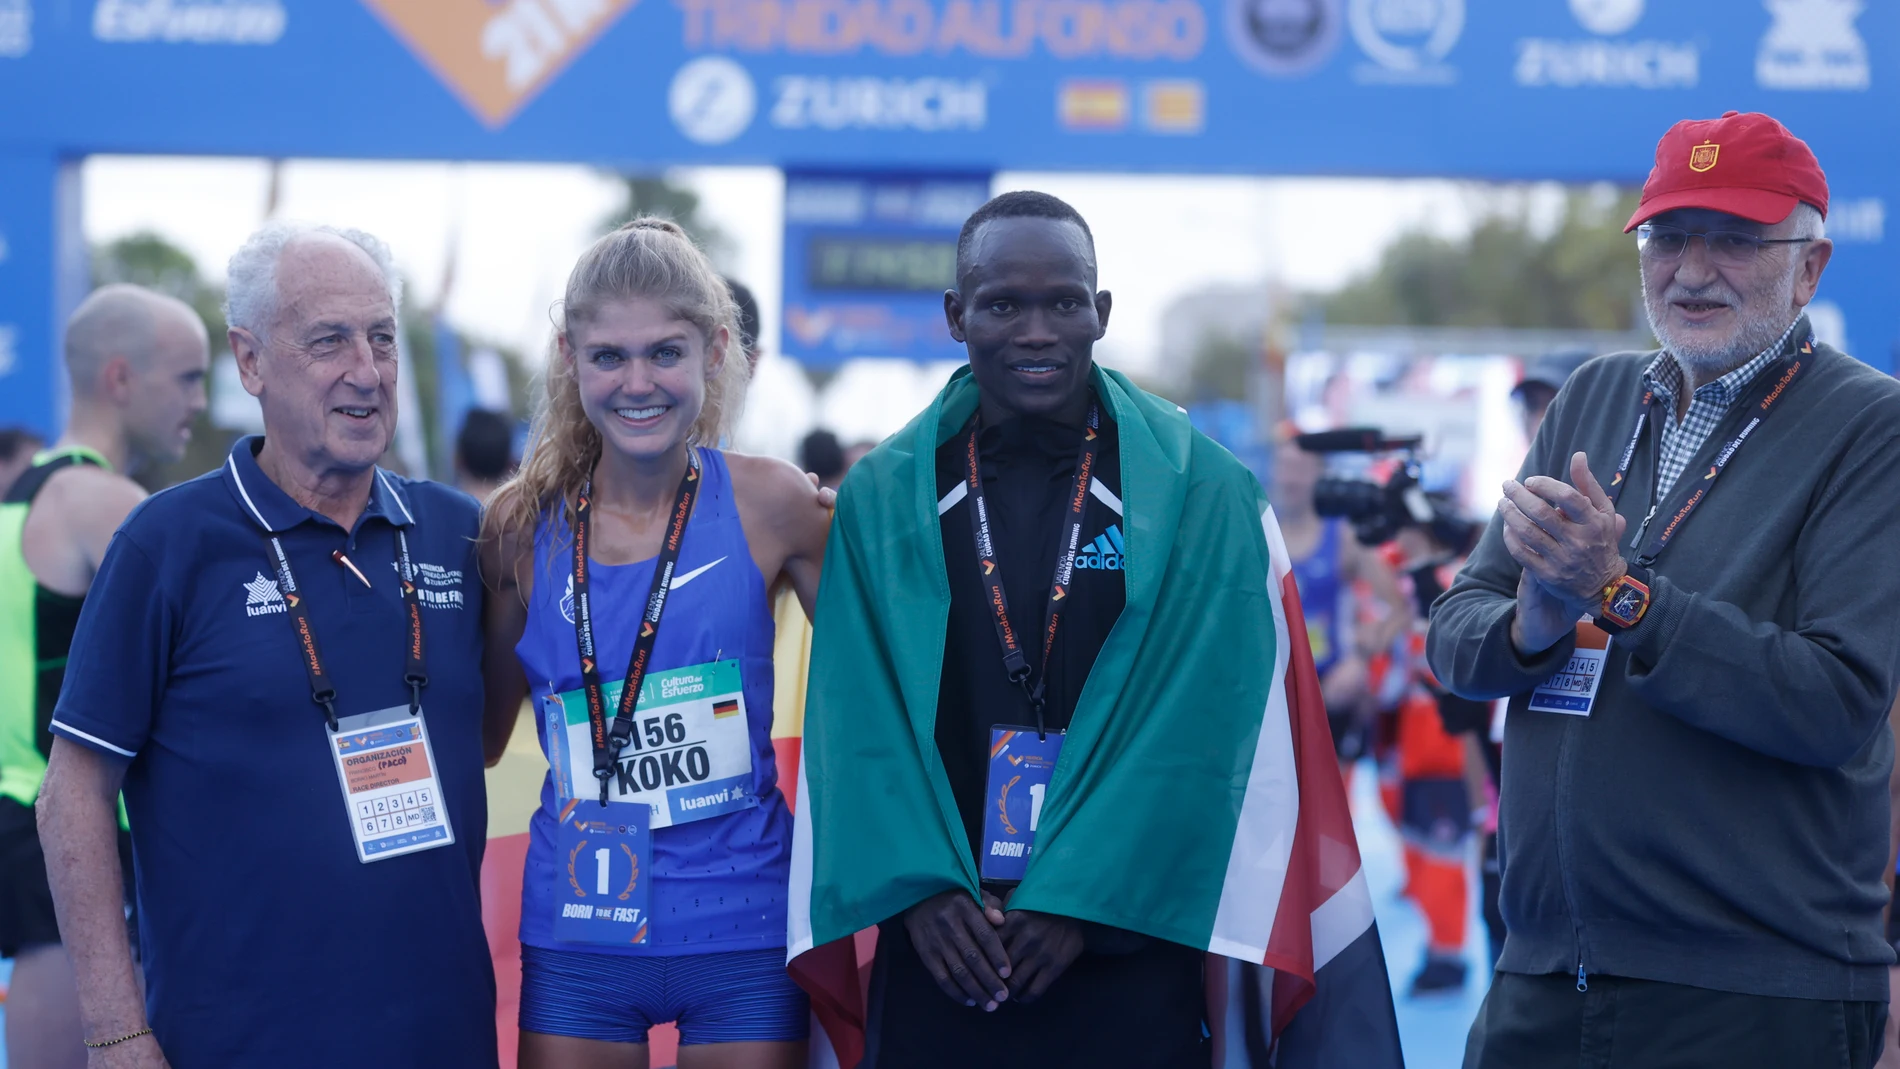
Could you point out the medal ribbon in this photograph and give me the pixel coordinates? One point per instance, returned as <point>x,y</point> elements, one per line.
<point>1769,388</point>
<point>322,689</point>
<point>610,740</point>
<point>990,569</point>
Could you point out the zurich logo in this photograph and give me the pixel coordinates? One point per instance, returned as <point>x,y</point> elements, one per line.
<point>567,601</point>
<point>1105,554</point>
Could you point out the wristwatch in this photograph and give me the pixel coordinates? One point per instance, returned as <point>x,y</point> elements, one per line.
<point>1624,601</point>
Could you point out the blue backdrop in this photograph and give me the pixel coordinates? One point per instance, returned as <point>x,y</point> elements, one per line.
<point>1498,89</point>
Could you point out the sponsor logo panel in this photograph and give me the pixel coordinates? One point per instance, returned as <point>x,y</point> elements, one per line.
<point>1608,59</point>
<point>1814,45</point>
<point>195,22</point>
<point>1407,41</point>
<point>1283,38</point>
<point>497,54</point>
<point>16,28</point>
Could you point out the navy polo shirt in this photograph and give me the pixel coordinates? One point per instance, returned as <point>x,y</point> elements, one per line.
<point>264,940</point>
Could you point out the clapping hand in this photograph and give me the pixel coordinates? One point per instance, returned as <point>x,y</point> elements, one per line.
<point>1565,537</point>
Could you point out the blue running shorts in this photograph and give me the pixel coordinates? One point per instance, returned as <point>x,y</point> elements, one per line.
<point>741,996</point>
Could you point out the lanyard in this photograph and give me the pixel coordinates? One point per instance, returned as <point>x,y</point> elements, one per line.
<point>322,690</point>
<point>1771,384</point>
<point>1014,662</point>
<point>608,741</point>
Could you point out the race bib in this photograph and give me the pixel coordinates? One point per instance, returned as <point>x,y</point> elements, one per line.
<point>1572,689</point>
<point>690,756</point>
<point>1020,767</point>
<point>1319,636</point>
<point>606,851</point>
<point>390,791</point>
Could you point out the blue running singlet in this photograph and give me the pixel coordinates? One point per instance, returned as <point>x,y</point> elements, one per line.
<point>1323,596</point>
<point>718,884</point>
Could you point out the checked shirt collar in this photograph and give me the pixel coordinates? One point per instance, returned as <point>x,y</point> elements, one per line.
<point>1711,401</point>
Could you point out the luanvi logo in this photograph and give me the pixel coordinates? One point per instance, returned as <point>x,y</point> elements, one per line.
<point>497,54</point>
<point>261,597</point>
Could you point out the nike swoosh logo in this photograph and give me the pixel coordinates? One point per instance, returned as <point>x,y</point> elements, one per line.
<point>682,580</point>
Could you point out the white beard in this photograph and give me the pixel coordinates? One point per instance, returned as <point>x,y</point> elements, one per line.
<point>1760,323</point>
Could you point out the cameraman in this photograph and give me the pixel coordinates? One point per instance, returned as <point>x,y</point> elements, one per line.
<point>1460,793</point>
<point>1328,563</point>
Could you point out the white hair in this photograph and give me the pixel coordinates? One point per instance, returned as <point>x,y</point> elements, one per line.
<point>250,287</point>
<point>1807,220</point>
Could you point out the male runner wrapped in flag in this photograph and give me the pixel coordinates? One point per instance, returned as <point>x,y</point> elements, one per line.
<point>1195,803</point>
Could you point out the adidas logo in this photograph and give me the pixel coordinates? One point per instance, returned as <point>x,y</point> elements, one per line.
<point>1105,553</point>
<point>261,597</point>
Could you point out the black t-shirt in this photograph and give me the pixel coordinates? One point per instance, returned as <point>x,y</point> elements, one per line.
<point>1028,468</point>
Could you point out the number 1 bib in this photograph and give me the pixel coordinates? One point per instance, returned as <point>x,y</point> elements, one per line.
<point>690,756</point>
<point>1020,767</point>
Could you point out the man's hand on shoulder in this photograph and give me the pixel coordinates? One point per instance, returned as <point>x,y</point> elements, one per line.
<point>960,946</point>
<point>1041,946</point>
<point>826,495</point>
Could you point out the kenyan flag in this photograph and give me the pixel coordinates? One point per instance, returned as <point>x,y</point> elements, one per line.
<point>1197,798</point>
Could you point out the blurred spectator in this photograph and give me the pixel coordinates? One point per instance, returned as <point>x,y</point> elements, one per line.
<point>136,360</point>
<point>748,320</point>
<point>821,455</point>
<point>1543,377</point>
<point>17,446</point>
<point>1327,562</point>
<point>484,452</point>
<point>855,452</point>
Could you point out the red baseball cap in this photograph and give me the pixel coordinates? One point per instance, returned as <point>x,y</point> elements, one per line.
<point>1743,164</point>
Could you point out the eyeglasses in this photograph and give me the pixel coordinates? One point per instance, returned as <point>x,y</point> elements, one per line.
<point>1729,248</point>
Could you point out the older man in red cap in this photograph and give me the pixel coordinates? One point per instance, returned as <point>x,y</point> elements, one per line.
<point>1687,596</point>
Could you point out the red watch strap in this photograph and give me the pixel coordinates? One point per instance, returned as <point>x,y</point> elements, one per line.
<point>1614,594</point>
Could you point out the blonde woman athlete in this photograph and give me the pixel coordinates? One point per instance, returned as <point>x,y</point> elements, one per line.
<point>621,931</point>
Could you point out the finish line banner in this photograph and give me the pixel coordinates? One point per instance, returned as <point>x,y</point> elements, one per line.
<point>1504,89</point>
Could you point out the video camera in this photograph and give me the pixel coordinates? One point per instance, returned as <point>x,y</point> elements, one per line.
<point>1378,512</point>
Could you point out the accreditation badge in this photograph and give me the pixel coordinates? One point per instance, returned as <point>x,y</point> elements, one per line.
<point>1572,689</point>
<point>690,756</point>
<point>606,851</point>
<point>390,791</point>
<point>1020,767</point>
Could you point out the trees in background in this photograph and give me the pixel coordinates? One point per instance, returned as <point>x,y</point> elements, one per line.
<point>1579,274</point>
<point>659,195</point>
<point>1512,269</point>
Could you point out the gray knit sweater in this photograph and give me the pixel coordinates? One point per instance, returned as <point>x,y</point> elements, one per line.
<point>1721,818</point>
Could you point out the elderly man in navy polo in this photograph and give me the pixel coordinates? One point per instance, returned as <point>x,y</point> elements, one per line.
<point>279,665</point>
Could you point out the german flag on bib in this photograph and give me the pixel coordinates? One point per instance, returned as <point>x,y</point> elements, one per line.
<point>1243,847</point>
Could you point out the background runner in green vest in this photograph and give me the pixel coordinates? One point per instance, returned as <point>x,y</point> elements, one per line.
<point>137,361</point>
